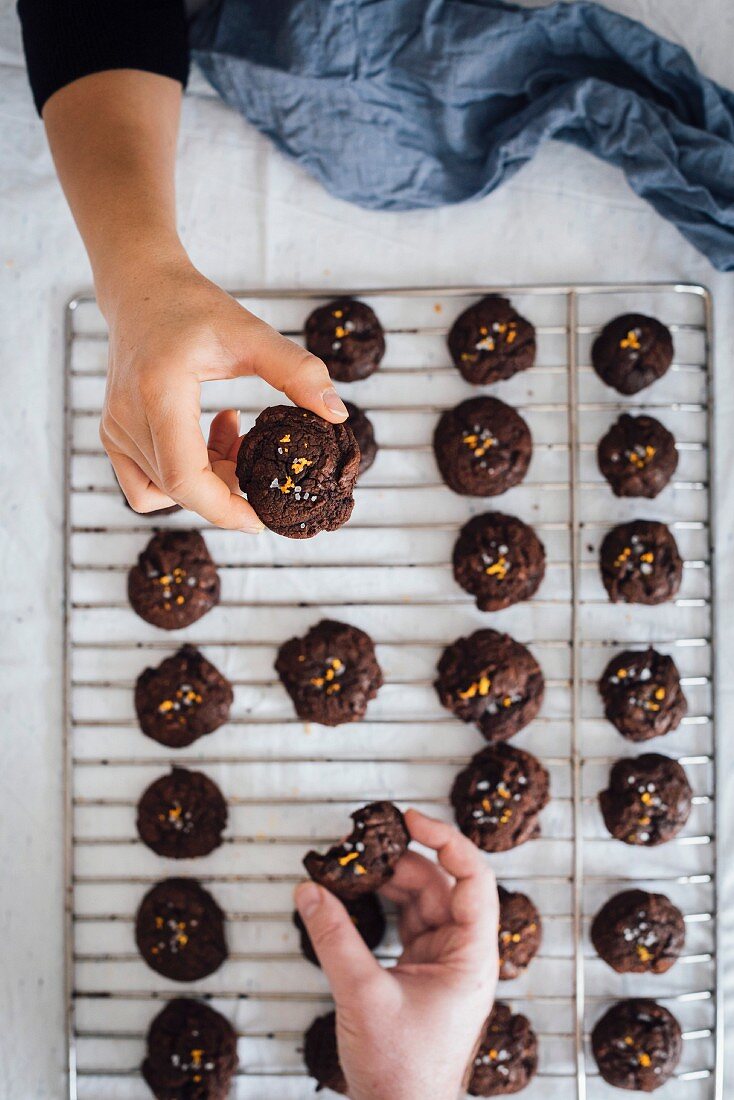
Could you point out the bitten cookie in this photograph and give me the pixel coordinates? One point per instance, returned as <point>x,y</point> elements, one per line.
<point>182,815</point>
<point>321,1055</point>
<point>639,933</point>
<point>637,456</point>
<point>347,335</point>
<point>507,1057</point>
<point>648,800</point>
<point>364,433</point>
<point>491,680</point>
<point>499,560</point>
<point>179,930</point>
<point>298,471</point>
<point>642,694</point>
<point>367,915</point>
<point>483,447</point>
<point>637,1045</point>
<point>490,341</point>
<point>631,352</point>
<point>192,1053</point>
<point>498,797</point>
<point>330,674</point>
<point>175,581</point>
<point>363,862</point>
<point>520,933</point>
<point>640,563</point>
<point>184,698</point>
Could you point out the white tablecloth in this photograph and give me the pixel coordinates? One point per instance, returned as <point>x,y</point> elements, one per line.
<point>250,218</point>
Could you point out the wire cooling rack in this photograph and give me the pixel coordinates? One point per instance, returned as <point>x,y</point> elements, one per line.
<point>291,785</point>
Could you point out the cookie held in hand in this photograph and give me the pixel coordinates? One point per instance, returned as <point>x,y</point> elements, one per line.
<point>366,859</point>
<point>298,471</point>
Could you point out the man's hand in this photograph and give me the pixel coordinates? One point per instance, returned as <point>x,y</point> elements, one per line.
<point>409,1032</point>
<point>169,332</point>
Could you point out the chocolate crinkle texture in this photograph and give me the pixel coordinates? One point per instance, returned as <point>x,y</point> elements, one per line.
<point>183,699</point>
<point>648,800</point>
<point>364,433</point>
<point>298,471</point>
<point>482,447</point>
<point>637,1045</point>
<point>631,352</point>
<point>640,563</point>
<point>182,815</point>
<point>491,680</point>
<point>321,1055</point>
<point>506,1059</point>
<point>637,456</point>
<point>191,1053</point>
<point>366,859</point>
<point>490,341</point>
<point>175,581</point>
<point>499,560</point>
<point>520,933</point>
<point>367,916</point>
<point>636,932</point>
<point>331,673</point>
<point>498,797</point>
<point>347,335</point>
<point>642,695</point>
<point>179,930</point>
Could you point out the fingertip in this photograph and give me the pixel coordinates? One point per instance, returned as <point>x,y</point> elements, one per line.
<point>335,407</point>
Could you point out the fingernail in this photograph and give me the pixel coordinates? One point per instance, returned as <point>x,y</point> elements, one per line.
<point>333,402</point>
<point>308,899</point>
<point>253,528</point>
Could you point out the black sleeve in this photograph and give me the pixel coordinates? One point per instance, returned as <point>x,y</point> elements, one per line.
<point>67,39</point>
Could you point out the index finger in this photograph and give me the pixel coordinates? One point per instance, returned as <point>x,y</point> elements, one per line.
<point>185,469</point>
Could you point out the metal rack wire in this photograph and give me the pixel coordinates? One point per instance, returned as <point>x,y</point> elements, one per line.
<point>290,786</point>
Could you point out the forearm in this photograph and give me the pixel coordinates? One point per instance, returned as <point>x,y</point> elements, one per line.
<point>113,139</point>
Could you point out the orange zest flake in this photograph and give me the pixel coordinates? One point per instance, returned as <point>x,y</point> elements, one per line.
<point>660,693</point>
<point>340,332</point>
<point>507,701</point>
<point>175,812</point>
<point>165,706</point>
<point>317,681</point>
<point>648,556</point>
<point>344,860</point>
<point>629,1041</point>
<point>478,687</point>
<point>287,485</point>
<point>503,792</point>
<point>337,313</point>
<point>643,953</point>
<point>332,689</point>
<point>299,464</point>
<point>646,798</point>
<point>498,568</point>
<point>645,1060</point>
<point>493,1054</point>
<point>286,438</point>
<point>631,340</point>
<point>644,820</point>
<point>623,556</point>
<point>359,869</point>
<point>196,1057</point>
<point>180,600</point>
<point>621,673</point>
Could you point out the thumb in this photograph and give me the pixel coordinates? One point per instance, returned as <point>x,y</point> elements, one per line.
<point>344,956</point>
<point>295,372</point>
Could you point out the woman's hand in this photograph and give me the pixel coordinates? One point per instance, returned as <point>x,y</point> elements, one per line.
<point>409,1032</point>
<point>170,330</point>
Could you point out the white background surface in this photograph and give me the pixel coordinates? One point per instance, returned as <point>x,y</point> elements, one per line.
<point>249,217</point>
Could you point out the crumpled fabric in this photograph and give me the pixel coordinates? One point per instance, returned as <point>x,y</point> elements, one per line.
<point>398,104</point>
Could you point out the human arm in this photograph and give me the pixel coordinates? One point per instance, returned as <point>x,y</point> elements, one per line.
<point>409,1032</point>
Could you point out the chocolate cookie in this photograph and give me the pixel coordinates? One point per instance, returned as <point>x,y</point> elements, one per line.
<point>499,560</point>
<point>642,694</point>
<point>367,915</point>
<point>498,797</point>
<point>182,815</point>
<point>491,680</point>
<point>640,563</point>
<point>632,351</point>
<point>331,674</point>
<point>637,456</point>
<point>364,433</point>
<point>175,581</point>
<point>298,471</point>
<point>179,930</point>
<point>507,1057</point>
<point>366,859</point>
<point>637,1045</point>
<point>520,933</point>
<point>648,800</point>
<point>184,698</point>
<point>348,337</point>
<point>490,341</point>
<point>192,1053</point>
<point>321,1055</point>
<point>482,447</point>
<point>639,933</point>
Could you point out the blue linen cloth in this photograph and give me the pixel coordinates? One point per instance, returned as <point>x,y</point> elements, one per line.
<point>397,104</point>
